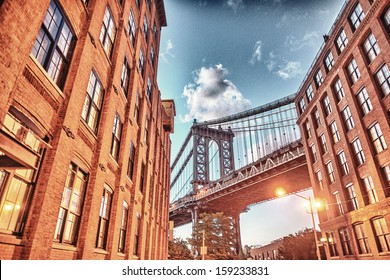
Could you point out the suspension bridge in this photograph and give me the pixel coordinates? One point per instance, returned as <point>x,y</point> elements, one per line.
<point>227,164</point>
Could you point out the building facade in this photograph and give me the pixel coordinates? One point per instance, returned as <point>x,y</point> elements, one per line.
<point>344,104</point>
<point>84,137</point>
<point>268,251</point>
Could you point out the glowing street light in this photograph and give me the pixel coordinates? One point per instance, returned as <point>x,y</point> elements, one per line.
<point>309,204</point>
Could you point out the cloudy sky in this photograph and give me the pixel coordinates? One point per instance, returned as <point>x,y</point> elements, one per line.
<point>225,56</point>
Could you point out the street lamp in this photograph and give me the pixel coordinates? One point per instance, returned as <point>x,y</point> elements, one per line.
<point>281,192</point>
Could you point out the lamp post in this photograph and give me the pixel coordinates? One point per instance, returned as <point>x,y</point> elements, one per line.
<point>281,192</point>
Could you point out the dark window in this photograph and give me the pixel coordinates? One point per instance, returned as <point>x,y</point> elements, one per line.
<point>308,131</point>
<point>69,216</point>
<point>107,34</point>
<point>93,102</point>
<point>386,19</point>
<point>146,28</point>
<point>152,55</point>
<point>125,76</point>
<point>149,89</point>
<point>313,152</point>
<point>104,218</point>
<point>361,239</point>
<point>116,137</point>
<point>54,44</point>
<point>345,241</point>
<point>137,235</point>
<point>382,235</point>
<point>130,169</point>
<point>141,62</point>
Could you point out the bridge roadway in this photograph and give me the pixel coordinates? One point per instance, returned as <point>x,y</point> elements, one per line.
<point>255,183</point>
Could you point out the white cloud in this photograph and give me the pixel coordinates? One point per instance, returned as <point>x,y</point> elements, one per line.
<point>290,70</point>
<point>308,40</point>
<point>235,4</point>
<point>271,63</point>
<point>256,55</point>
<point>212,96</point>
<point>289,18</point>
<point>167,52</point>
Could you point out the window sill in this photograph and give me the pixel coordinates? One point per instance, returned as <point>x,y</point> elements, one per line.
<point>121,254</point>
<point>100,251</point>
<point>64,247</point>
<point>10,239</point>
<point>384,254</point>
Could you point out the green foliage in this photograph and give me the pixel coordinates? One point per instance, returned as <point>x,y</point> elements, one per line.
<point>220,236</point>
<point>178,250</point>
<point>300,246</point>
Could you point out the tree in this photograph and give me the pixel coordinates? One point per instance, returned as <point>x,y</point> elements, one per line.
<point>300,246</point>
<point>178,250</point>
<point>220,237</point>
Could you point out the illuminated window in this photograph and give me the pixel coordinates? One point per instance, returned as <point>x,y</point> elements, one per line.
<point>383,79</point>
<point>329,168</point>
<point>382,235</point>
<point>123,227</point>
<point>386,174</point>
<point>69,216</point>
<point>356,16</point>
<point>54,44</point>
<point>377,138</point>
<point>331,244</point>
<point>364,101</point>
<point>371,47</point>
<point>358,152</point>
<point>361,239</point>
<point>341,41</point>
<point>107,34</point>
<point>369,192</point>
<point>93,102</point>
<point>352,200</point>
<point>104,218</point>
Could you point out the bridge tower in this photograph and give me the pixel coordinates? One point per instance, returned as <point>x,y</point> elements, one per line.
<point>202,137</point>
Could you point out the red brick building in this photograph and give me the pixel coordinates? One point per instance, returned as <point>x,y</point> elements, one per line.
<point>344,104</point>
<point>84,137</point>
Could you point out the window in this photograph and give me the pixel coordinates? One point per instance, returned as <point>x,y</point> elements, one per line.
<point>317,119</point>
<point>356,17</point>
<point>347,116</point>
<point>382,235</point>
<point>69,216</point>
<point>155,30</point>
<point>345,241</point>
<point>338,89</point>
<point>302,105</point>
<point>319,178</point>
<point>331,244</point>
<point>146,28</point>
<point>319,78</point>
<point>149,4</point>
<point>149,89</point>
<point>352,200</point>
<point>364,101</point>
<point>377,138</point>
<point>361,239</point>
<point>371,47</point>
<point>141,62</point>
<point>132,27</point>
<point>93,102</point>
<point>386,174</point>
<point>323,143</point>
<point>343,163</point>
<point>369,192</point>
<point>116,137</point>
<point>123,227</point>
<point>152,55</point>
<point>125,77</point>
<point>329,168</point>
<point>327,106</point>
<point>136,109</point>
<point>340,209</point>
<point>54,44</point>
<point>146,129</point>
<point>386,19</point>
<point>329,61</point>
<point>341,41</point>
<point>309,93</point>
<point>104,218</point>
<point>335,132</point>
<point>130,168</point>
<point>142,178</point>
<point>137,235</point>
<point>383,79</point>
<point>138,3</point>
<point>358,152</point>
<point>313,152</point>
<point>308,131</point>
<point>353,71</point>
<point>107,34</point>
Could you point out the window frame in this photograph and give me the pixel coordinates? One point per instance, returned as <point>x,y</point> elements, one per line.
<point>347,118</point>
<point>329,61</point>
<point>341,41</point>
<point>382,77</point>
<point>356,17</point>
<point>377,138</point>
<point>361,238</point>
<point>104,218</point>
<point>108,32</point>
<point>338,89</point>
<point>353,71</point>
<point>123,227</point>
<point>358,151</point>
<point>371,47</point>
<point>343,163</point>
<point>327,105</point>
<point>116,137</point>
<point>364,101</point>
<point>381,233</point>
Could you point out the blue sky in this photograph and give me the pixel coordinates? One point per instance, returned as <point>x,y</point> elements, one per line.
<point>225,56</point>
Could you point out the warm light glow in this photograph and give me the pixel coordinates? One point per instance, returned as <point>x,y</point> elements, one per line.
<point>323,239</point>
<point>280,192</point>
<point>317,204</point>
<point>8,207</point>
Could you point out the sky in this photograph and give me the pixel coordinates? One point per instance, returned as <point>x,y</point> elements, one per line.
<point>226,56</point>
